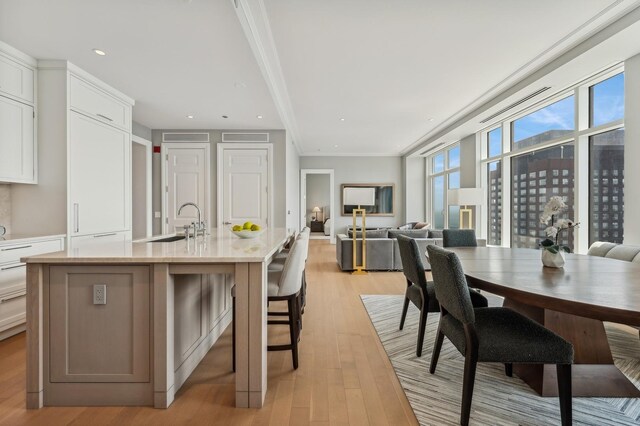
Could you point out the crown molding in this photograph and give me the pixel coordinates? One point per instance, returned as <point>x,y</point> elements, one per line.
<point>254,20</point>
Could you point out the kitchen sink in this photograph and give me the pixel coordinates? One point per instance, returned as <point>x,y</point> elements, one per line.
<point>168,239</point>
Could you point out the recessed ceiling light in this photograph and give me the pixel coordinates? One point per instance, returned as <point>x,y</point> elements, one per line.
<point>430,119</point>
<point>99,52</point>
<point>342,119</point>
<point>258,116</point>
<point>335,146</point>
<point>190,117</point>
<point>225,116</point>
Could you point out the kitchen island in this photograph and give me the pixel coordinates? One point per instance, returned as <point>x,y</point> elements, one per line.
<point>126,323</point>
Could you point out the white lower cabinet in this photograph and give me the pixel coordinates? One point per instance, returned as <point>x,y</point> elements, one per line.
<point>93,239</point>
<point>13,277</point>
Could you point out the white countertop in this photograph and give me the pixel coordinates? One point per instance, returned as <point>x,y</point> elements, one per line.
<point>25,238</point>
<point>220,247</point>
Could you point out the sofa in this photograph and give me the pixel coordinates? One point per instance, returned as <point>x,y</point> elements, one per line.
<point>383,253</point>
<point>625,252</point>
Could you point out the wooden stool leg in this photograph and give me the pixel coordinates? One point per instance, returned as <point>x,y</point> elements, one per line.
<point>564,390</point>
<point>293,327</point>
<point>233,331</point>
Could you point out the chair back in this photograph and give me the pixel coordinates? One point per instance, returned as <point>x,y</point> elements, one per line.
<point>412,266</point>
<point>291,278</point>
<point>459,238</point>
<point>450,284</point>
<point>304,234</point>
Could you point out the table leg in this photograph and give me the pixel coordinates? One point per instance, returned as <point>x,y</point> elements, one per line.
<point>593,372</point>
<point>251,334</point>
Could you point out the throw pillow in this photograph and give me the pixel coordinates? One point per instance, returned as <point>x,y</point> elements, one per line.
<point>420,225</point>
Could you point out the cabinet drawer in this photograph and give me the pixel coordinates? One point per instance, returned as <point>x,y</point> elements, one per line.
<point>12,274</point>
<point>12,253</point>
<point>94,102</point>
<point>13,308</point>
<point>16,79</point>
<point>96,239</point>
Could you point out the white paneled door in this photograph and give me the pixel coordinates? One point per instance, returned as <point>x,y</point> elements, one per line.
<point>187,180</point>
<point>245,186</point>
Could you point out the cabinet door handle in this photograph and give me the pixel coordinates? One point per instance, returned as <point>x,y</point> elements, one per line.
<point>105,235</point>
<point>14,248</point>
<point>6,268</point>
<point>76,217</point>
<point>13,296</point>
<point>105,117</point>
<point>226,223</point>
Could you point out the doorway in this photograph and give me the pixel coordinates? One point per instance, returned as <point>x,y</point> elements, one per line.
<point>186,177</point>
<point>317,203</point>
<point>245,182</point>
<point>141,188</point>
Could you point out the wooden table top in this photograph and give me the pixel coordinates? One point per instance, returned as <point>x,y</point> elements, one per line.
<point>587,286</point>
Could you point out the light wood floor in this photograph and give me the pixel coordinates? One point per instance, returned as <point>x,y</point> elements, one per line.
<point>345,377</point>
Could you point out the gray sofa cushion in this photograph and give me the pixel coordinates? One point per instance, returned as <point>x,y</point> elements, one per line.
<point>623,252</point>
<point>600,248</point>
<point>412,233</point>
<point>433,233</point>
<point>374,233</point>
<point>422,246</point>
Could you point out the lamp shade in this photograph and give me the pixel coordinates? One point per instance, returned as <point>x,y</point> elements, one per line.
<point>465,196</point>
<point>353,196</point>
<point>316,209</point>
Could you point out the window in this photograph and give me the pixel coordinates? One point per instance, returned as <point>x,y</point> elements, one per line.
<point>494,203</point>
<point>547,160</point>
<point>444,175</point>
<point>606,157</point>
<point>494,142</point>
<point>606,101</point>
<point>551,122</point>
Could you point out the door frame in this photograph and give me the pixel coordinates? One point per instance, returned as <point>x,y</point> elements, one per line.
<point>148,145</point>
<point>221,147</point>
<point>303,198</point>
<point>165,187</point>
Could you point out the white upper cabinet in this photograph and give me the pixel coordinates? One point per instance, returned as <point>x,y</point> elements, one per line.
<point>16,79</point>
<point>89,100</point>
<point>17,143</point>
<point>18,146</point>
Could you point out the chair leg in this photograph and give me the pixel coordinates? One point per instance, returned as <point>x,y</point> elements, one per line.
<point>436,351</point>
<point>405,307</point>
<point>470,362</point>
<point>293,329</point>
<point>564,391</point>
<point>233,331</point>
<point>422,328</point>
<point>508,369</point>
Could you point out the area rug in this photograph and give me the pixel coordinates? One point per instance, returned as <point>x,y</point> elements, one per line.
<point>497,399</point>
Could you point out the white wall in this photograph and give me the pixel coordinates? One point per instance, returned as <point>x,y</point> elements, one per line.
<point>414,171</point>
<point>632,150</point>
<point>362,170</point>
<point>292,184</point>
<point>318,194</point>
<point>276,137</point>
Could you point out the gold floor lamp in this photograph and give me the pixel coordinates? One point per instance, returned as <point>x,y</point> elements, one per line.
<point>465,197</point>
<point>356,196</point>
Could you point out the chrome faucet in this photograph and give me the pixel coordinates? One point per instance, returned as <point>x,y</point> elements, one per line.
<point>199,227</point>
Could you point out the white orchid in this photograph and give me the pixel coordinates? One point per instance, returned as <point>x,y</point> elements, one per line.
<point>554,207</point>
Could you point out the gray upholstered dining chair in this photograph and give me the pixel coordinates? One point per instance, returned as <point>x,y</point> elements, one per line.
<point>284,285</point>
<point>420,291</point>
<point>492,334</point>
<point>459,238</point>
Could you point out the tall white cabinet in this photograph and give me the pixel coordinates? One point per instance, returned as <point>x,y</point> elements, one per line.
<point>18,161</point>
<point>84,188</point>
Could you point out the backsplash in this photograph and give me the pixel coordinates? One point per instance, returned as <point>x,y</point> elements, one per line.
<point>5,206</point>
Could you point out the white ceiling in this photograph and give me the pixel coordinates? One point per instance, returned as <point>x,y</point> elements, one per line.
<point>386,67</point>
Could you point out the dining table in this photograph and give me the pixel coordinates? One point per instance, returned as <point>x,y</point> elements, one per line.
<point>572,301</point>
